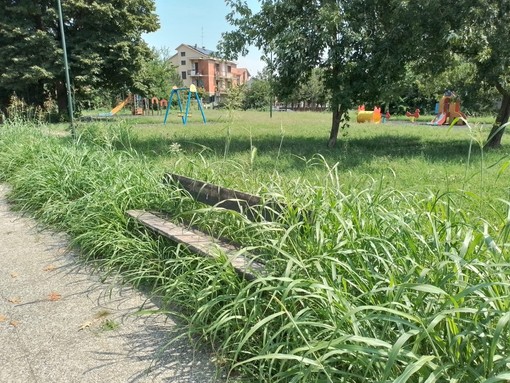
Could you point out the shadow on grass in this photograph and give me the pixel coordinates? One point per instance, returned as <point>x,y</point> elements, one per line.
<point>351,152</point>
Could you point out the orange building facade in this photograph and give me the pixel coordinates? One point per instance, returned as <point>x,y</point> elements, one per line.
<point>198,66</point>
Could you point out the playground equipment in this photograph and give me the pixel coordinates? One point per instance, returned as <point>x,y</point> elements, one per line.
<point>139,105</point>
<point>117,108</point>
<point>448,110</point>
<point>413,116</point>
<point>369,116</point>
<point>184,115</point>
<point>154,106</point>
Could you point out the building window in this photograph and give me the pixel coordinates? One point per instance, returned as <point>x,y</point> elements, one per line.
<point>229,69</point>
<point>183,62</point>
<point>183,54</point>
<point>183,75</point>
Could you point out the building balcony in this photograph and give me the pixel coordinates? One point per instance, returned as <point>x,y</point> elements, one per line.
<point>195,73</point>
<point>224,75</point>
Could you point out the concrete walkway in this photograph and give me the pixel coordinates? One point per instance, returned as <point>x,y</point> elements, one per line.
<point>58,323</point>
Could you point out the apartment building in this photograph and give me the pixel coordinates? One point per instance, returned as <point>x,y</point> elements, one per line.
<point>198,66</point>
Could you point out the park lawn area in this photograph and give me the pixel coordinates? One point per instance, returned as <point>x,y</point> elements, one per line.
<point>246,149</point>
<point>389,263</point>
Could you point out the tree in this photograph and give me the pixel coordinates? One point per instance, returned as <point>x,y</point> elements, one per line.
<point>312,93</point>
<point>355,43</point>
<point>420,89</point>
<point>158,75</point>
<point>257,95</point>
<point>105,47</point>
<point>482,37</point>
<point>294,51</point>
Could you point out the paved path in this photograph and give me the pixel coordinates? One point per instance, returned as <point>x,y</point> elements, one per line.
<point>58,323</point>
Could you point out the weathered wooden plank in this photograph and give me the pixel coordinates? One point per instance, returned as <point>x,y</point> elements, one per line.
<point>252,206</point>
<point>198,242</point>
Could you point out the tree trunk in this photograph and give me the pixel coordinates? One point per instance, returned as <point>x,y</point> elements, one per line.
<point>61,98</point>
<point>335,124</point>
<point>337,97</point>
<point>496,134</point>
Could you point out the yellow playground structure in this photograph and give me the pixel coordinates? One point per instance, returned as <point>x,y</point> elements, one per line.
<point>119,106</point>
<point>369,116</point>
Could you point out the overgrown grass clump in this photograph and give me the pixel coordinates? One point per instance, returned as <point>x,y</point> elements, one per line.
<point>365,284</point>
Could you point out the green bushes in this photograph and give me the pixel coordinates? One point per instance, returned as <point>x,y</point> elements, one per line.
<point>366,285</point>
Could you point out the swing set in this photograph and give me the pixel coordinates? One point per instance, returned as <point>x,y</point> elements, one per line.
<point>184,114</point>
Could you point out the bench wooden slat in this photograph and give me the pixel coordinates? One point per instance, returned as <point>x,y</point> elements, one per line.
<point>252,206</point>
<point>198,242</point>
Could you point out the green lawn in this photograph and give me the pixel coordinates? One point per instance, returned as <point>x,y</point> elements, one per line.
<point>398,154</point>
<point>390,263</point>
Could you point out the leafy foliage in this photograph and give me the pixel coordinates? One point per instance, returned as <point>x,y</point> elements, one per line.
<point>354,42</point>
<point>157,76</point>
<point>258,95</point>
<point>105,47</point>
<point>483,40</point>
<point>310,94</point>
<point>375,51</point>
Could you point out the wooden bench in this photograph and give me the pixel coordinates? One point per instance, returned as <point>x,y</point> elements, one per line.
<point>251,206</point>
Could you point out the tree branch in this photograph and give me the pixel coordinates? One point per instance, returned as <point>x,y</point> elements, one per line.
<point>501,89</point>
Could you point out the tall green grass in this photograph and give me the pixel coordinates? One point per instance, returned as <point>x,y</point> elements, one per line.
<point>366,283</point>
<point>399,154</point>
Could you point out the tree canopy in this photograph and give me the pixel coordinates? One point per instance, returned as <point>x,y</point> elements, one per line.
<point>482,37</point>
<point>158,75</point>
<point>367,48</point>
<point>104,44</point>
<point>363,46</point>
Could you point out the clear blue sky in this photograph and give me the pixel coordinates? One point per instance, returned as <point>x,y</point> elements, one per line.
<point>198,22</point>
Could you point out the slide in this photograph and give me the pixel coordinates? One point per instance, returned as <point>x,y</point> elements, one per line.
<point>119,107</point>
<point>115,110</point>
<point>439,120</point>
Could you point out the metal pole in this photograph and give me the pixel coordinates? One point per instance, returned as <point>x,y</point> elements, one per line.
<point>271,87</point>
<point>66,65</point>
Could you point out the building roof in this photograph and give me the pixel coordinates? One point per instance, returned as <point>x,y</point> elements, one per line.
<point>206,52</point>
<point>201,50</point>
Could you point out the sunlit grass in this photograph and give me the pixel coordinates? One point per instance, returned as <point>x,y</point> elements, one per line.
<point>398,154</point>
<point>389,264</point>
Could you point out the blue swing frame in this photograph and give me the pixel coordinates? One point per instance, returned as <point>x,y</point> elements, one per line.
<point>184,116</point>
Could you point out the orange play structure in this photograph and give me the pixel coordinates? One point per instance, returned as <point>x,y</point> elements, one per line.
<point>369,116</point>
<point>449,110</point>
